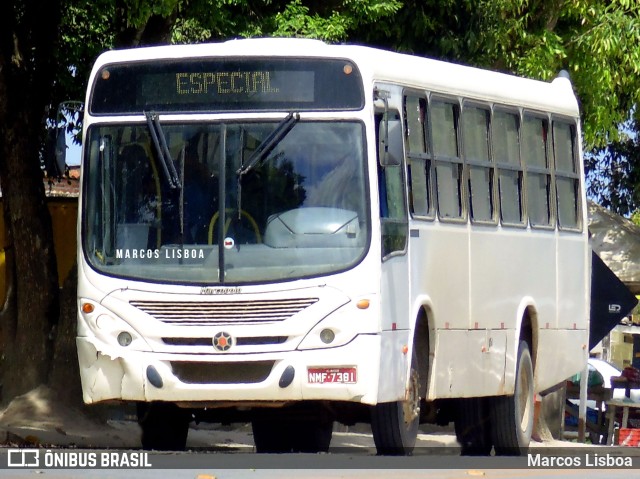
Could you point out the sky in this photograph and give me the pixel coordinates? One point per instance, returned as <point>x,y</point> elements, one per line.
<point>73,152</point>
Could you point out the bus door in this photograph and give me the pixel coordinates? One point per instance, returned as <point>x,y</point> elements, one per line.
<point>394,283</point>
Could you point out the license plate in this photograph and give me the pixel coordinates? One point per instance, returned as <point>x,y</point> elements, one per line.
<point>332,375</point>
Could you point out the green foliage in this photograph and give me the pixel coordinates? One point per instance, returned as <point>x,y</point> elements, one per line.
<point>442,29</point>
<point>613,174</point>
<point>597,41</point>
<point>85,29</point>
<point>206,20</point>
<point>295,21</point>
<point>138,12</point>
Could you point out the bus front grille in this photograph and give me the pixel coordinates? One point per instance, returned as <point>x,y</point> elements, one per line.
<point>248,341</point>
<point>222,373</point>
<point>200,313</point>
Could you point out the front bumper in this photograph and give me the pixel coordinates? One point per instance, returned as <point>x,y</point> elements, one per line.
<point>108,373</point>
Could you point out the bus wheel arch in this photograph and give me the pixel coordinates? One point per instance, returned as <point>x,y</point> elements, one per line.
<point>512,416</point>
<point>529,331</point>
<point>423,347</point>
<point>395,424</point>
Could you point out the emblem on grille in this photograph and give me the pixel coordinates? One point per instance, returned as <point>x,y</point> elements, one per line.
<point>222,341</point>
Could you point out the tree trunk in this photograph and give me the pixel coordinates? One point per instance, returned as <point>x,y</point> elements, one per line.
<point>65,373</point>
<point>28,35</point>
<point>34,352</point>
<point>156,30</point>
<point>28,341</point>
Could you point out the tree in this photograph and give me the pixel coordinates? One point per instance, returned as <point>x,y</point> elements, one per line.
<point>47,48</point>
<point>613,173</point>
<point>28,38</point>
<point>597,41</point>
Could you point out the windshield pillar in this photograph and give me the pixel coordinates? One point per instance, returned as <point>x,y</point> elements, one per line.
<point>222,203</point>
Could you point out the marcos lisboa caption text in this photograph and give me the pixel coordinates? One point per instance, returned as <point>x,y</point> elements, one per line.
<point>586,460</point>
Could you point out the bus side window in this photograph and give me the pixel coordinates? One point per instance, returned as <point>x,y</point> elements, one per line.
<point>475,135</point>
<point>535,157</point>
<point>506,151</point>
<point>393,211</point>
<point>418,156</point>
<point>567,177</point>
<point>448,165</point>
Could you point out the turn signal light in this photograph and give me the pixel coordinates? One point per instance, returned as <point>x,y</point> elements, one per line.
<point>362,304</point>
<point>87,308</point>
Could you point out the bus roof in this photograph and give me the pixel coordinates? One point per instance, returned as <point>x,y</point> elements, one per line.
<point>380,65</point>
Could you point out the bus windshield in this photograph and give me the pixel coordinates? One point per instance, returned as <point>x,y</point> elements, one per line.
<point>202,214</point>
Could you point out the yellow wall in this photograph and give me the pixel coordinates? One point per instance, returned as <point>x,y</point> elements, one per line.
<point>621,350</point>
<point>64,213</point>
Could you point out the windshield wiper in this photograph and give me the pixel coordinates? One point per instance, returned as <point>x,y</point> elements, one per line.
<point>160,143</point>
<point>269,143</point>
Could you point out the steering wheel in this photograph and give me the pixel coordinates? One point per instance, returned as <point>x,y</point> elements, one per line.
<point>214,218</point>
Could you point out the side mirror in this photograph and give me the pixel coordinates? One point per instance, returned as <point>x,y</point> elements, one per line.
<point>55,152</point>
<point>61,150</point>
<point>391,147</point>
<point>69,118</point>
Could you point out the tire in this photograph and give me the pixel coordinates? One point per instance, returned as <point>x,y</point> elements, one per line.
<point>313,436</point>
<point>473,426</point>
<point>512,416</point>
<point>395,424</point>
<point>165,426</point>
<point>283,433</point>
<point>271,437</point>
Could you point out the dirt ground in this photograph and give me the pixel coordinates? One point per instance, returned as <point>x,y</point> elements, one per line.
<point>37,419</point>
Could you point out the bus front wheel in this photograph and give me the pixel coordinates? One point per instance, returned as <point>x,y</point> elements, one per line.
<point>281,432</point>
<point>164,426</point>
<point>395,424</point>
<point>512,416</point>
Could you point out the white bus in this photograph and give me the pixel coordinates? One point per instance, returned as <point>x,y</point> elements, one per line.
<point>293,233</point>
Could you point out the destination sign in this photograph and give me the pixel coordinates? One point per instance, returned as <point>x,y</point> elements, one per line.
<point>246,84</point>
<point>226,83</point>
<point>226,86</point>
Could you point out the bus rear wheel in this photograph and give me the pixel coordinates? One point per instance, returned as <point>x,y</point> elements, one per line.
<point>512,416</point>
<point>165,426</point>
<point>395,424</point>
<point>472,426</point>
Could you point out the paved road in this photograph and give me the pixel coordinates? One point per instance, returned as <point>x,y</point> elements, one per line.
<point>353,456</point>
<point>426,463</point>
<point>221,473</point>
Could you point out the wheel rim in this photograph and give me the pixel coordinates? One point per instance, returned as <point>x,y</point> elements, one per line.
<point>411,405</point>
<point>524,402</point>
